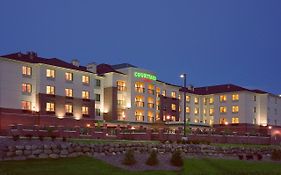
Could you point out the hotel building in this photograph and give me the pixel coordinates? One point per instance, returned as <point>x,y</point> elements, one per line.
<point>51,88</point>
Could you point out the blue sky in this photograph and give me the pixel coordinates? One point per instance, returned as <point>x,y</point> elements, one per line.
<point>213,41</point>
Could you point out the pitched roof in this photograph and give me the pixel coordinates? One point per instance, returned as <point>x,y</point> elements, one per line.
<point>32,57</point>
<point>122,65</point>
<point>106,68</point>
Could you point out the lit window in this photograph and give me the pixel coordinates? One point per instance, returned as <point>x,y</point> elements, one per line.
<point>196,120</point>
<point>223,121</point>
<point>26,105</point>
<point>26,70</point>
<point>187,98</point>
<point>139,87</point>
<point>150,102</point>
<point>235,109</point>
<point>50,107</point>
<point>223,109</point>
<point>173,94</point>
<point>97,97</point>
<point>179,96</point>
<point>222,98</point>
<point>68,76</point>
<point>69,92</point>
<point>150,89</point>
<point>164,92</point>
<point>196,100</point>
<point>235,120</point>
<point>204,111</point>
<point>187,109</point>
<point>211,111</point>
<point>150,117</point>
<point>50,73</point>
<point>139,101</point>
<point>26,87</point>
<point>205,101</point>
<point>85,95</point>
<point>173,106</point>
<point>85,110</point>
<point>235,97</point>
<point>50,90</point>
<point>121,86</point>
<point>196,111</point>
<point>85,79</point>
<point>211,100</point>
<point>139,116</point>
<point>158,91</point>
<point>68,108</point>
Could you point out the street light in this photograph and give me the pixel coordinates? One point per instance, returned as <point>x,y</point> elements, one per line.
<point>184,104</point>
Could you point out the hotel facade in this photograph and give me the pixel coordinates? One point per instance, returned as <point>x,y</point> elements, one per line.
<point>50,88</point>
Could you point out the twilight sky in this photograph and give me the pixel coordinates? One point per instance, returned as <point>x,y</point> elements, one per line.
<point>213,41</point>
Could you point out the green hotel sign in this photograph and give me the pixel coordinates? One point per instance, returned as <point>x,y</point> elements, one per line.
<point>145,75</point>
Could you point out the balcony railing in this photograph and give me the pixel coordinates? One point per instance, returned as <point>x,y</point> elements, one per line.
<point>139,89</point>
<point>139,104</point>
<point>139,117</point>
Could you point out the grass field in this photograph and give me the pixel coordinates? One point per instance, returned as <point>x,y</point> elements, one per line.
<point>87,166</point>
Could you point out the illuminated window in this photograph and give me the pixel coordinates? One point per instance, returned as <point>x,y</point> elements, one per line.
<point>235,97</point>
<point>196,111</point>
<point>174,107</point>
<point>50,73</point>
<point>139,101</point>
<point>150,116</point>
<point>50,107</point>
<point>235,120</point>
<point>150,89</point>
<point>68,108</point>
<point>187,109</point>
<point>211,111</point>
<point>85,79</point>
<point>204,111</point>
<point>179,96</point>
<point>235,109</point>
<point>68,76</point>
<point>50,90</point>
<point>187,98</point>
<point>211,100</point>
<point>205,101</point>
<point>69,92</point>
<point>196,101</point>
<point>158,91</point>
<point>222,98</point>
<point>173,94</point>
<point>164,92</point>
<point>85,110</point>
<point>97,97</point>
<point>223,109</point>
<point>139,116</point>
<point>26,87</point>
<point>85,95</point>
<point>139,87</point>
<point>26,105</point>
<point>150,102</point>
<point>223,121</point>
<point>121,86</point>
<point>26,70</point>
<point>196,120</point>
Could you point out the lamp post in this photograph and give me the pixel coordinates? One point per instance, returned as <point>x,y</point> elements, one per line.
<point>184,104</point>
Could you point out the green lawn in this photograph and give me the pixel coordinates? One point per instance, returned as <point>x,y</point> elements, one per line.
<point>104,141</point>
<point>85,166</point>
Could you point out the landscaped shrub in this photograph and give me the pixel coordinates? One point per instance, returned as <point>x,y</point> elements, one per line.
<point>276,154</point>
<point>240,156</point>
<point>152,159</point>
<point>64,139</point>
<point>176,159</point>
<point>16,137</point>
<point>129,158</point>
<point>41,138</point>
<point>249,156</point>
<point>259,156</point>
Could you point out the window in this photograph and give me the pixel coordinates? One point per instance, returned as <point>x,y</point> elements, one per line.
<point>26,105</point>
<point>26,71</point>
<point>235,97</point>
<point>255,98</point>
<point>235,120</point>
<point>173,94</point>
<point>50,107</point>
<point>139,87</point>
<point>85,79</point>
<point>222,98</point>
<point>150,117</point>
<point>50,90</point>
<point>97,97</point>
<point>196,111</point>
<point>204,111</point>
<point>85,110</point>
<point>139,115</point>
<point>139,101</point>
<point>150,102</point>
<point>275,111</point>
<point>211,111</point>
<point>174,107</point>
<point>150,89</point>
<point>187,98</point>
<point>223,121</point>
<point>97,112</point>
<point>50,73</point>
<point>223,109</point>
<point>68,76</point>
<point>85,95</point>
<point>196,120</point>
<point>164,92</point>
<point>196,101</point>
<point>187,109</point>
<point>26,87</point>
<point>158,91</point>
<point>179,96</point>
<point>205,101</point>
<point>255,110</point>
<point>98,83</point>
<point>68,108</point>
<point>121,86</point>
<point>69,92</point>
<point>235,109</point>
<point>211,100</point>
